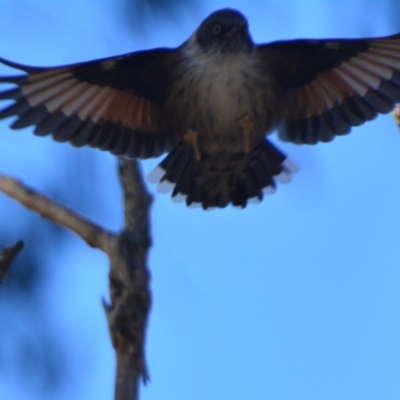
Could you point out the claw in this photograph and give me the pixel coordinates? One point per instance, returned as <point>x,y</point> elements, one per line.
<point>191,139</point>
<point>247,126</point>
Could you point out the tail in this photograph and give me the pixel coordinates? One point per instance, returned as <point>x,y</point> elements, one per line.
<point>220,179</point>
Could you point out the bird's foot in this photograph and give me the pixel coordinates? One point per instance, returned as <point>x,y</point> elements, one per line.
<point>191,138</point>
<point>247,125</point>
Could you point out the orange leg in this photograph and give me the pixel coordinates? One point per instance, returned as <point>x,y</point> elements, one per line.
<point>191,139</point>
<point>247,126</point>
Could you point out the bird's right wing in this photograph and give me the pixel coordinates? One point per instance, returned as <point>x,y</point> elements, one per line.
<point>114,104</point>
<point>328,86</point>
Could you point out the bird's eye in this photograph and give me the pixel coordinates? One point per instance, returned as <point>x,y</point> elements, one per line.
<point>216,29</point>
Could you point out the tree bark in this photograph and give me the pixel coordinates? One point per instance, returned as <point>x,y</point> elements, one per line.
<point>127,314</point>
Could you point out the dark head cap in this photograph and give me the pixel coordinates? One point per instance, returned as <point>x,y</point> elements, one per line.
<point>224,30</point>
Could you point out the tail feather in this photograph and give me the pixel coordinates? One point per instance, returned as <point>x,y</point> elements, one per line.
<point>218,180</point>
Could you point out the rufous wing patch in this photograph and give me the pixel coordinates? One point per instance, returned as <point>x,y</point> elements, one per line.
<point>62,92</point>
<point>114,104</point>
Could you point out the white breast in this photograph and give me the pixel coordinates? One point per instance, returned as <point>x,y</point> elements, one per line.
<point>214,92</point>
<point>221,90</point>
<point>224,89</point>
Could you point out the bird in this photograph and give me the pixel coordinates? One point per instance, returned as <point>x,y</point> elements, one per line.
<point>210,104</point>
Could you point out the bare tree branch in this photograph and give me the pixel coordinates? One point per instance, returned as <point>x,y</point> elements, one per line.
<point>7,256</point>
<point>92,234</point>
<point>129,284</point>
<point>127,251</point>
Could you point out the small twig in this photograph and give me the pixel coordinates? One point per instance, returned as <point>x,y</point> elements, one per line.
<point>7,256</point>
<point>396,114</point>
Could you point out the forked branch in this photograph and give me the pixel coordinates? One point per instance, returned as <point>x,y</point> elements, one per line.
<point>127,251</point>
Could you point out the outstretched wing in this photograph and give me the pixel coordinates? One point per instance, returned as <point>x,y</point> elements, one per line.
<point>331,85</point>
<point>114,104</point>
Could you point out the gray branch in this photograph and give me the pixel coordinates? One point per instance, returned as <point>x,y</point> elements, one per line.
<point>127,251</point>
<point>7,256</point>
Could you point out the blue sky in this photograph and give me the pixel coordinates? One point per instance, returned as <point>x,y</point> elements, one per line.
<point>295,298</point>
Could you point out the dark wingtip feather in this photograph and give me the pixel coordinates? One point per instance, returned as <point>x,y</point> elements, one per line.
<point>25,68</point>
<point>13,79</point>
<point>30,117</point>
<point>15,109</point>
<point>12,94</point>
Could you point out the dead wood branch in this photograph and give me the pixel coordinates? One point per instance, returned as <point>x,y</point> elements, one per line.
<point>127,251</point>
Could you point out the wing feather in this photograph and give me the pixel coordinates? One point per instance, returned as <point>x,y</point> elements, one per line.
<point>332,85</point>
<point>109,103</point>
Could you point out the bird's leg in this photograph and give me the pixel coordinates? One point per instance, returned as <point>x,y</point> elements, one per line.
<point>191,138</point>
<point>247,126</point>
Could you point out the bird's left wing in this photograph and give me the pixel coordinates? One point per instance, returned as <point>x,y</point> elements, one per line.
<point>114,104</point>
<point>328,86</point>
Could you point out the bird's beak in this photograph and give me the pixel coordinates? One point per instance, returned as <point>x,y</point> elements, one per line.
<point>235,32</point>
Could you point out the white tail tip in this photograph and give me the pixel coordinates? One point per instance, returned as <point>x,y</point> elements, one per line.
<point>254,200</point>
<point>165,187</point>
<point>283,177</point>
<point>179,198</point>
<point>155,175</point>
<point>291,166</point>
<point>269,190</point>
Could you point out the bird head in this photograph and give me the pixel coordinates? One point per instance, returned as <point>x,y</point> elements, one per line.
<point>224,31</point>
